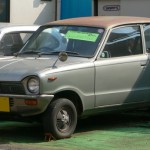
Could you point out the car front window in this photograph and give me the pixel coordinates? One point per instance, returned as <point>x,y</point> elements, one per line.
<point>123,41</point>
<point>147,37</point>
<point>76,40</point>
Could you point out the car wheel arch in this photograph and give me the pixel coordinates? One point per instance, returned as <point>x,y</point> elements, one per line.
<point>72,96</point>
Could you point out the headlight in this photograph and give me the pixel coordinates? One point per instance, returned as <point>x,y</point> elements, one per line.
<point>33,85</point>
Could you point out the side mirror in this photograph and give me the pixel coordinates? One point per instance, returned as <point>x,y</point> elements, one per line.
<point>105,54</point>
<point>62,56</point>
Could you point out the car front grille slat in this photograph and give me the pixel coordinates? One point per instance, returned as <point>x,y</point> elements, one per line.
<point>11,88</point>
<point>11,101</point>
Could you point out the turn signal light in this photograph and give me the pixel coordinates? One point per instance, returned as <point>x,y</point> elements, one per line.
<point>52,78</point>
<point>31,102</point>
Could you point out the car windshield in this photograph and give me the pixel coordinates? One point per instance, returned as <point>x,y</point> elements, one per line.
<point>75,40</point>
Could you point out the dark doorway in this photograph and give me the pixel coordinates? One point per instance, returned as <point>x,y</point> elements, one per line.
<point>95,7</point>
<point>4,10</point>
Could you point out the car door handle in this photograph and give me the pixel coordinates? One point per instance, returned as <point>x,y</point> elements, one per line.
<point>143,64</point>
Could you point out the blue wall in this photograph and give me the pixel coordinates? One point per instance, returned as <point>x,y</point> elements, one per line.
<point>75,8</point>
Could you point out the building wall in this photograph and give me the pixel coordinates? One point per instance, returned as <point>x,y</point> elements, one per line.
<point>32,11</point>
<point>75,8</point>
<point>124,8</point>
<point>41,12</point>
<point>108,7</point>
<point>135,7</point>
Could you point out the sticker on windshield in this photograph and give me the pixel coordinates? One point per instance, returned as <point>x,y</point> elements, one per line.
<point>85,36</point>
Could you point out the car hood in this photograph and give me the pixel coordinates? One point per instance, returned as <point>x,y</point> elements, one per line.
<point>15,69</point>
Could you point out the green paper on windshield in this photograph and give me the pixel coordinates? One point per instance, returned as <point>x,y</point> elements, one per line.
<point>85,36</point>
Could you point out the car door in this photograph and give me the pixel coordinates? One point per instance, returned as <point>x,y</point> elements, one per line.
<point>120,70</point>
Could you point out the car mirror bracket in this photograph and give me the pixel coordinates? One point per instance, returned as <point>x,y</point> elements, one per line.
<point>63,56</point>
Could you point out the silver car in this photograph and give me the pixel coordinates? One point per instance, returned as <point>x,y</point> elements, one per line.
<point>74,68</point>
<point>13,37</point>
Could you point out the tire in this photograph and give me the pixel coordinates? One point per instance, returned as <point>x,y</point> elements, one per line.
<point>60,119</point>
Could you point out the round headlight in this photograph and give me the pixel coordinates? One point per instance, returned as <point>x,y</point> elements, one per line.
<point>33,85</point>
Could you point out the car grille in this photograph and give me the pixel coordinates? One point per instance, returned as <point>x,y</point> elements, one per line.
<point>11,88</point>
<point>11,102</point>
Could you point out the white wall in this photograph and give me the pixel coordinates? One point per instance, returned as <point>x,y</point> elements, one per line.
<point>108,4</point>
<point>32,11</point>
<point>127,8</point>
<point>135,8</point>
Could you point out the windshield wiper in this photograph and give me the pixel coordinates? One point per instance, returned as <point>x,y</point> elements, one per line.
<point>29,52</point>
<point>70,52</point>
<point>57,52</point>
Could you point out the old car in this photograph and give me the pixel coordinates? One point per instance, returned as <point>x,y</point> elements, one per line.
<point>13,37</point>
<point>74,68</point>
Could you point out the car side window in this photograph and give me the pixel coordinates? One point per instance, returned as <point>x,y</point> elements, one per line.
<point>147,37</point>
<point>10,44</point>
<point>13,42</point>
<point>123,41</point>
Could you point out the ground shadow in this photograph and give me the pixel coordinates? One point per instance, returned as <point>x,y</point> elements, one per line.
<point>33,132</point>
<point>113,121</point>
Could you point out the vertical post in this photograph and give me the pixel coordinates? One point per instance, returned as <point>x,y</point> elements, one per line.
<point>56,7</point>
<point>95,7</point>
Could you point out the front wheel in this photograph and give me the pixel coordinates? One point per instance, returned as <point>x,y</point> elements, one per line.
<point>60,118</point>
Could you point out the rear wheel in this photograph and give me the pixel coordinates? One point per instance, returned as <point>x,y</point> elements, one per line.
<point>60,118</point>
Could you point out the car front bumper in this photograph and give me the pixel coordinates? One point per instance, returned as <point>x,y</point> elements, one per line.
<point>24,105</point>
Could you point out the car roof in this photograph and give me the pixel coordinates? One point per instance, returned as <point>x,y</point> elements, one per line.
<point>102,21</point>
<point>6,27</point>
